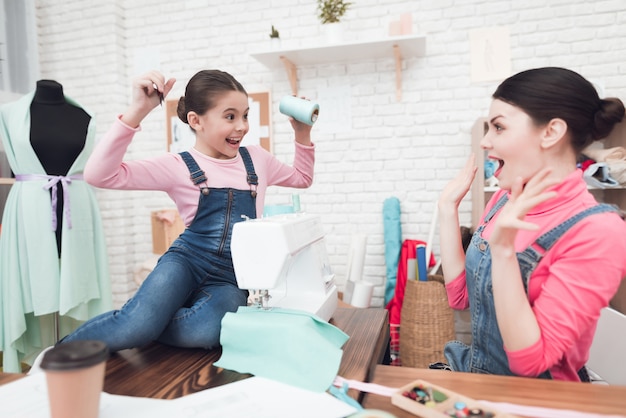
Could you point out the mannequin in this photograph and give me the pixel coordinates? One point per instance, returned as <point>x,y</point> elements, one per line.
<point>54,270</point>
<point>57,134</point>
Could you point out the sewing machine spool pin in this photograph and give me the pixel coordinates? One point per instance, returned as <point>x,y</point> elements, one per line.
<point>265,299</point>
<point>260,298</point>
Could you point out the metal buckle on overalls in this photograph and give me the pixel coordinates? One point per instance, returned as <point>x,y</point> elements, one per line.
<point>253,181</point>
<point>197,177</point>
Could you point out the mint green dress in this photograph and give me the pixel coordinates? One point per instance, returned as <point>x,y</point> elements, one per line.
<point>34,283</point>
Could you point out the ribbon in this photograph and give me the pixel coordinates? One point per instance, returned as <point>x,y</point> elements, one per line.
<point>52,184</point>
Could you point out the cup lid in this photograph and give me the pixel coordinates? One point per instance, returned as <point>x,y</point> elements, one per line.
<point>75,355</point>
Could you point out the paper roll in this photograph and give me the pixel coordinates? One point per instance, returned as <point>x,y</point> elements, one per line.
<point>356,257</point>
<point>362,294</point>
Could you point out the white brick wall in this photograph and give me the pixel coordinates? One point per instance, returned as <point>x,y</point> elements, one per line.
<point>408,149</point>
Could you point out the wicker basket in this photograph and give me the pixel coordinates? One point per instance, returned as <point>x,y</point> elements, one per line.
<point>427,322</point>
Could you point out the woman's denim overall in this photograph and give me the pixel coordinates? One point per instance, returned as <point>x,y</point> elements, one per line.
<point>486,353</point>
<point>183,300</point>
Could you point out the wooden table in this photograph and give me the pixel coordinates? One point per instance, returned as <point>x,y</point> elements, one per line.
<point>159,371</point>
<point>9,377</point>
<point>582,397</point>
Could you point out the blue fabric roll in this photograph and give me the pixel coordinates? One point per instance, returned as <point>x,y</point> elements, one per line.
<point>393,243</point>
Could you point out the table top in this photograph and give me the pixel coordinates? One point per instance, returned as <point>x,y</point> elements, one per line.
<point>581,397</point>
<point>165,372</point>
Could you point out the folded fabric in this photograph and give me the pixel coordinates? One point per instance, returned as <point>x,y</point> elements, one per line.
<point>290,346</point>
<point>606,154</point>
<point>617,170</point>
<point>597,175</point>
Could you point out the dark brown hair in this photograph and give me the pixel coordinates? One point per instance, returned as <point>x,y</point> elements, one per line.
<point>203,90</point>
<point>552,92</point>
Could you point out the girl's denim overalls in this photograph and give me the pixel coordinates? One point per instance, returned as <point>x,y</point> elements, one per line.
<point>183,300</point>
<point>486,353</point>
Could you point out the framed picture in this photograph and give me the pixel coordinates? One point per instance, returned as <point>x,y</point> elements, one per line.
<point>180,137</point>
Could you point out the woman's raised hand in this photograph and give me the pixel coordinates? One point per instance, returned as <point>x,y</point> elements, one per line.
<point>457,188</point>
<point>522,199</point>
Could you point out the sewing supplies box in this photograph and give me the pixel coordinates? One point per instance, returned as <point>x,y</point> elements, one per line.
<point>426,400</point>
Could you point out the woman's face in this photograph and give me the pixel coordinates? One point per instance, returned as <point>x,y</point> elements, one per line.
<point>220,130</point>
<point>513,142</point>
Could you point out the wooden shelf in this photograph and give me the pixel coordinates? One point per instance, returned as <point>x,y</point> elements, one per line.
<point>396,47</point>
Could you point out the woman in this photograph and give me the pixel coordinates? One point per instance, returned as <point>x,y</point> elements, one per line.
<point>546,258</point>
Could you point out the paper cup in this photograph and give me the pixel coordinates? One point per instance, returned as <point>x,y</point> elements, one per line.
<point>75,378</point>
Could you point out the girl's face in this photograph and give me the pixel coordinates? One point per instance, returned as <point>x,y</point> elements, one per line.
<point>220,130</point>
<point>513,142</point>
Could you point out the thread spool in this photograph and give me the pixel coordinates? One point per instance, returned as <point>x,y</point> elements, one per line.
<point>302,110</point>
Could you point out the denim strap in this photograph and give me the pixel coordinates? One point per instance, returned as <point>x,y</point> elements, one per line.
<point>197,174</point>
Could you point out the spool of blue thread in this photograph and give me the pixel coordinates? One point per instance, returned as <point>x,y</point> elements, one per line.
<point>302,110</point>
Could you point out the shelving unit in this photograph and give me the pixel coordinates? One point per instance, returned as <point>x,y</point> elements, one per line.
<point>481,194</point>
<point>397,47</point>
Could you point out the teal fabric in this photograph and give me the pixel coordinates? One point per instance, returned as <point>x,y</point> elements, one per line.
<point>33,281</point>
<point>290,346</point>
<point>393,243</point>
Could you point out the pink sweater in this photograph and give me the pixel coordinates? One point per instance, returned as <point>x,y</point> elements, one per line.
<point>573,282</point>
<point>168,172</point>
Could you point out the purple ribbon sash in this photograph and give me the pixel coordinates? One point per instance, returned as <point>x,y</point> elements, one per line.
<point>52,184</point>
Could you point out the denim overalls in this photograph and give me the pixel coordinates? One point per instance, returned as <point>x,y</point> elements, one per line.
<point>486,354</point>
<point>183,300</point>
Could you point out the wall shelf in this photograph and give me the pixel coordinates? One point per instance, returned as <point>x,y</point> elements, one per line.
<point>396,47</point>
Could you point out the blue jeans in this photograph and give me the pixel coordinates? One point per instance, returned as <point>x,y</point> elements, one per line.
<point>171,306</point>
<point>183,300</point>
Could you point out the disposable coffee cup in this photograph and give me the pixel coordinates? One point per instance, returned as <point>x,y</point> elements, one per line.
<point>75,378</point>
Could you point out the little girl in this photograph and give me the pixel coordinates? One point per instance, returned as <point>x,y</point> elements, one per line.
<point>214,185</point>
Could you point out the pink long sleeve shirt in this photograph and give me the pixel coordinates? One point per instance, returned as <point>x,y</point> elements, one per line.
<point>576,278</point>
<point>168,172</point>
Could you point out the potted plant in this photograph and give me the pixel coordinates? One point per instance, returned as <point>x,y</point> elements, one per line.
<point>274,33</point>
<point>274,37</point>
<point>330,13</point>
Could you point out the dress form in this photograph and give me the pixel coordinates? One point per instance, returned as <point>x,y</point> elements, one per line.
<point>45,293</point>
<point>58,131</point>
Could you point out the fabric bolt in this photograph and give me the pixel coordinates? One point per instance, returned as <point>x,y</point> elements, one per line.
<point>393,243</point>
<point>407,251</point>
<point>34,281</point>
<point>567,289</point>
<point>290,346</point>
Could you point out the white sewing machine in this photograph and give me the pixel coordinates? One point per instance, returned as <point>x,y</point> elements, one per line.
<point>284,258</point>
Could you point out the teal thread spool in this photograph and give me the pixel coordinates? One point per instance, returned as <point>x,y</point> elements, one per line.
<point>302,110</point>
